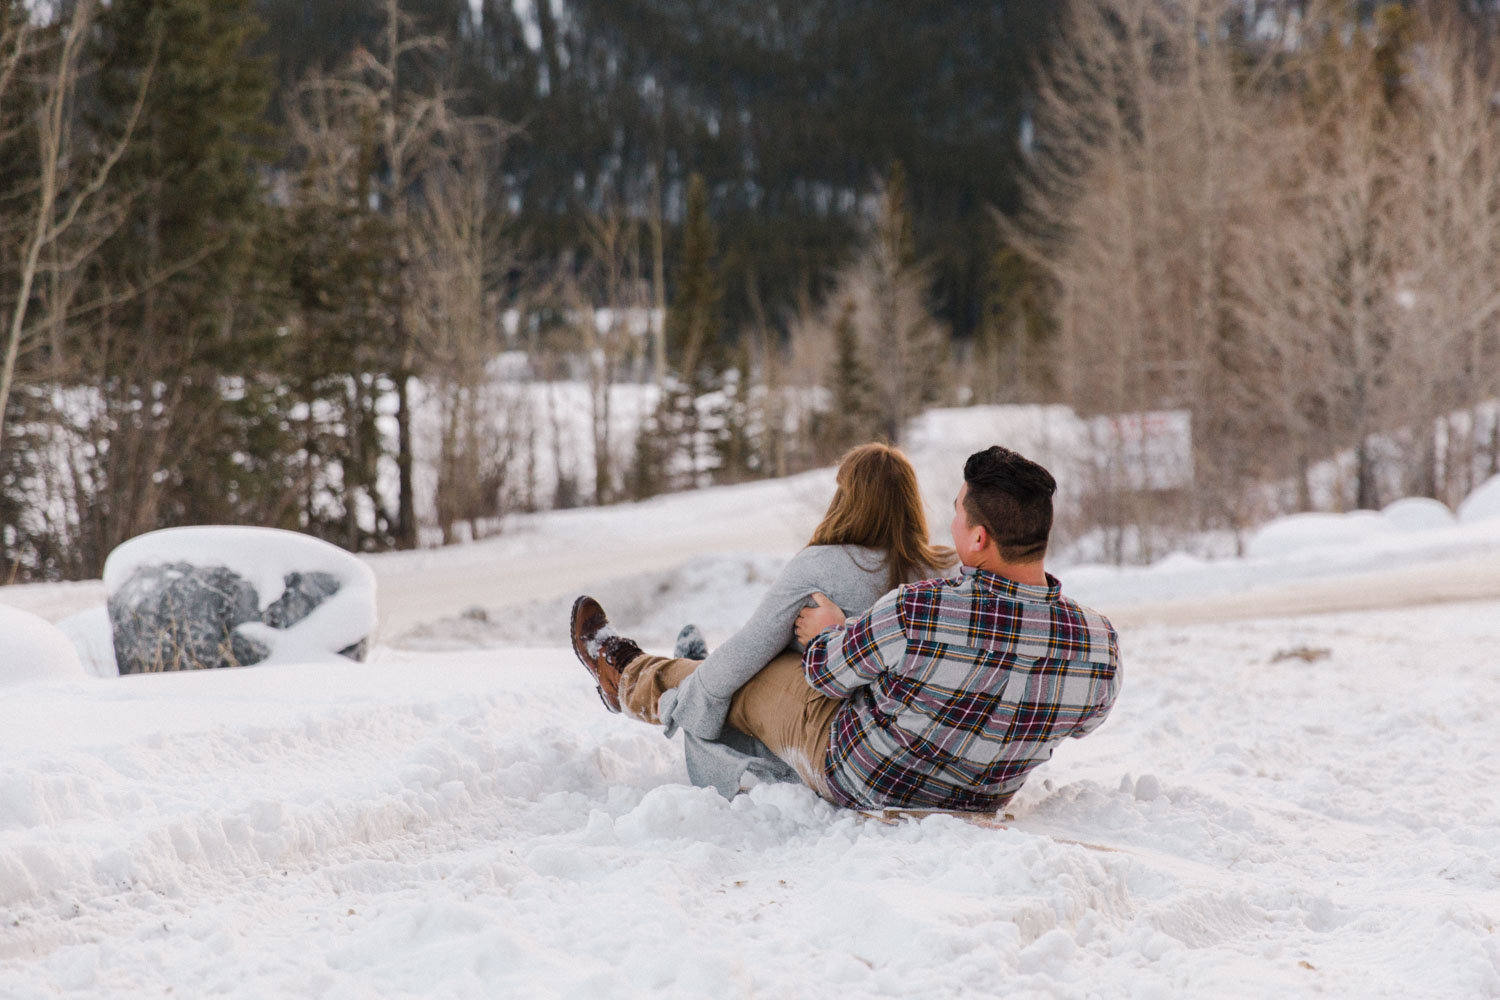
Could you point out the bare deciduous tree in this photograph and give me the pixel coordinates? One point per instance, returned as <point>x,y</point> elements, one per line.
<point>407,151</point>
<point>1288,235</point>
<point>372,99</point>
<point>1450,311</point>
<point>872,347</point>
<point>614,279</point>
<point>67,211</point>
<point>1138,174</point>
<point>458,250</point>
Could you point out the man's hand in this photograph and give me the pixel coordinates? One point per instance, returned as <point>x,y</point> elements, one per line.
<point>812,621</point>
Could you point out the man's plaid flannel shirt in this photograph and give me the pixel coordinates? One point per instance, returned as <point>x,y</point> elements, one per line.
<point>956,689</point>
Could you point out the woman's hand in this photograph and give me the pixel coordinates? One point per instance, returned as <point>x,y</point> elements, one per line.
<point>812,621</point>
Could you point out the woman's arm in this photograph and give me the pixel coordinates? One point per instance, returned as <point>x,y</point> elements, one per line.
<point>765,635</point>
<point>700,703</point>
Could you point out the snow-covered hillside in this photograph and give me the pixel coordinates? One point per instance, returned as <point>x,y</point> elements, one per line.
<point>1283,803</point>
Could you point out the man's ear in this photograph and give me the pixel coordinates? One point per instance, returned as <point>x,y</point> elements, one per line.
<point>980,538</point>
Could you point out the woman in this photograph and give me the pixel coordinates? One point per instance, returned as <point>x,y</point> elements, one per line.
<point>872,539</point>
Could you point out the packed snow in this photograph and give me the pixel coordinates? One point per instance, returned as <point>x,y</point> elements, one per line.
<point>1283,802</point>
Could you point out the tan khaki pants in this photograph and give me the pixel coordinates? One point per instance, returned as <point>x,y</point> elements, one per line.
<point>777,706</point>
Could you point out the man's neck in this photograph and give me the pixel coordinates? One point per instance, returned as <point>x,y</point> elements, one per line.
<point>1031,573</point>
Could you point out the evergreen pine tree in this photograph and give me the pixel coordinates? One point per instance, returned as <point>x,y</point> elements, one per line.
<point>694,354</point>
<point>851,420</point>
<point>186,358</point>
<point>1007,363</point>
<point>694,318</point>
<point>644,478</point>
<point>736,439</point>
<point>786,112</point>
<point>341,278</point>
<point>913,348</point>
<point>895,228</point>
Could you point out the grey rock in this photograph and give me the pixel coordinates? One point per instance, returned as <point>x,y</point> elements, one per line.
<point>177,616</point>
<point>304,592</point>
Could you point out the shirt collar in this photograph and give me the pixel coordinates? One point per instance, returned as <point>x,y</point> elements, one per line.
<point>1011,590</point>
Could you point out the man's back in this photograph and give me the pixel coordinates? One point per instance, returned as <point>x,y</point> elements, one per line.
<point>957,689</point>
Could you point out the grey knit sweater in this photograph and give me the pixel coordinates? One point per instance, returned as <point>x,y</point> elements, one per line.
<point>853,577</point>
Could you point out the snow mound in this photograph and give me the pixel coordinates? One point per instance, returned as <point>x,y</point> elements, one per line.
<point>1418,514</point>
<point>1483,504</point>
<point>32,649</point>
<point>1178,562</point>
<point>1300,533</point>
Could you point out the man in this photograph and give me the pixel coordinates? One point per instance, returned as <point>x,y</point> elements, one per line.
<point>946,693</point>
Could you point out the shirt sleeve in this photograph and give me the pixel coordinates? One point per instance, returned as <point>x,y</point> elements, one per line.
<point>840,660</point>
<point>1104,690</point>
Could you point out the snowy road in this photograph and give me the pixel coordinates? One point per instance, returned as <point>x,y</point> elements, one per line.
<point>1438,582</point>
<point>551,555</point>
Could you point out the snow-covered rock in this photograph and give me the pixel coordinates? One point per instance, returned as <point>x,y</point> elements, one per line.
<point>1483,504</point>
<point>32,649</point>
<point>1418,514</point>
<point>207,597</point>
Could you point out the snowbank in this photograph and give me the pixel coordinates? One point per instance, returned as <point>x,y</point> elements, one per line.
<point>1312,531</point>
<point>717,593</point>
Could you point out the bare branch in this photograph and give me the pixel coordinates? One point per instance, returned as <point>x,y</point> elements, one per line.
<point>15,35</point>
<point>102,172</point>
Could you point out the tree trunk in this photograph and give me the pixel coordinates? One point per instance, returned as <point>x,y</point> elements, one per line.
<point>1366,494</point>
<point>1495,444</point>
<point>406,514</point>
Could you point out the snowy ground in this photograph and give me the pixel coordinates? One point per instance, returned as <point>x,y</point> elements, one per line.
<point>1282,804</point>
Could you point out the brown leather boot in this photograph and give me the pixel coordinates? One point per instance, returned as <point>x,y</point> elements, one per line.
<point>602,650</point>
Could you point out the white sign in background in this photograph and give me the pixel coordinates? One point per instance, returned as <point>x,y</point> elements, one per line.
<point>1145,451</point>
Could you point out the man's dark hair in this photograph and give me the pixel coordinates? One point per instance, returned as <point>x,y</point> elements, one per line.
<point>1011,498</point>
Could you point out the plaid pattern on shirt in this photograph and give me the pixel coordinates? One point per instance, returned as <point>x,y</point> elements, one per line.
<point>956,689</point>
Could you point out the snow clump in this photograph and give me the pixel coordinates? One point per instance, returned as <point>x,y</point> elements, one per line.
<point>32,649</point>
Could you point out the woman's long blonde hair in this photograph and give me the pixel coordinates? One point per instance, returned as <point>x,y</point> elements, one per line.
<point>878,505</point>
